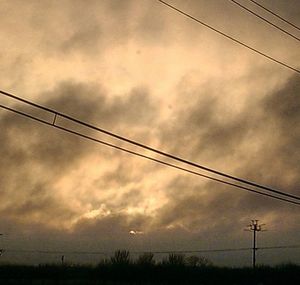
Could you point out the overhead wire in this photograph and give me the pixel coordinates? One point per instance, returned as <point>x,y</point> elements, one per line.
<point>11,250</point>
<point>230,37</point>
<point>275,14</point>
<point>154,150</point>
<point>264,19</point>
<point>222,249</point>
<point>133,252</point>
<point>52,124</point>
<point>280,247</point>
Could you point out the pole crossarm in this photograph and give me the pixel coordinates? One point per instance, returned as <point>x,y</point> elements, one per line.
<point>254,227</point>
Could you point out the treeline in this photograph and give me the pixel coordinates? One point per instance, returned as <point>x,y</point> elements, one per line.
<point>122,257</point>
<point>174,269</point>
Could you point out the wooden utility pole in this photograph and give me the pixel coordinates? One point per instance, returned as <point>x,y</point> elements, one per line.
<point>254,227</point>
<point>1,249</point>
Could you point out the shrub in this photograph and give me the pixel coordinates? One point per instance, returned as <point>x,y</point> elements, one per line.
<point>121,257</point>
<point>200,261</point>
<point>175,259</point>
<point>146,258</point>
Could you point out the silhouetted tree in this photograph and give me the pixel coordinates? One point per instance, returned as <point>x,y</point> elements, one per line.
<point>194,261</point>
<point>175,259</point>
<point>146,258</point>
<point>121,257</point>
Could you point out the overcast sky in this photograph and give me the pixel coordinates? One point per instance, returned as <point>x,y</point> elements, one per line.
<point>145,72</point>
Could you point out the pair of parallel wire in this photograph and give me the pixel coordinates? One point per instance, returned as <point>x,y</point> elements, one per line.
<point>242,183</point>
<point>250,186</point>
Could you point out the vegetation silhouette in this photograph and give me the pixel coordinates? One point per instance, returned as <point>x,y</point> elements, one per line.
<point>174,269</point>
<point>121,257</point>
<point>195,261</point>
<point>174,259</point>
<point>146,259</point>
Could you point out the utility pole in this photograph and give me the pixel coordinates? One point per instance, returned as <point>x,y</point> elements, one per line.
<point>1,249</point>
<point>254,227</point>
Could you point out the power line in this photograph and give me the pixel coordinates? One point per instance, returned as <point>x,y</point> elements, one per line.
<point>279,247</point>
<point>54,251</point>
<point>265,20</point>
<point>201,250</point>
<point>147,157</point>
<point>9,250</point>
<point>221,250</point>
<point>182,160</point>
<point>230,37</point>
<point>111,252</point>
<point>275,14</point>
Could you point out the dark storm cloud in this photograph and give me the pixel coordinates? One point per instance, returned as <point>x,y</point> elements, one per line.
<point>278,159</point>
<point>34,156</point>
<point>112,227</point>
<point>282,108</point>
<point>89,103</point>
<point>274,161</point>
<point>204,207</point>
<point>44,42</point>
<point>201,128</point>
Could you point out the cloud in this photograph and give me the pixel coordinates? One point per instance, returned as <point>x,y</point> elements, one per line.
<point>145,72</point>
<point>259,144</point>
<point>35,157</point>
<point>192,203</point>
<point>278,157</point>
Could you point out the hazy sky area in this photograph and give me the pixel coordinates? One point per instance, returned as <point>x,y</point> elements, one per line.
<point>141,70</point>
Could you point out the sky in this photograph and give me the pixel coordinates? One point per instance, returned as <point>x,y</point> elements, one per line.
<point>143,71</point>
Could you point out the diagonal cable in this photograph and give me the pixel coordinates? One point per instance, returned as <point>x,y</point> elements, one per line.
<point>130,141</point>
<point>230,37</point>
<point>145,156</point>
<point>264,19</point>
<point>275,14</point>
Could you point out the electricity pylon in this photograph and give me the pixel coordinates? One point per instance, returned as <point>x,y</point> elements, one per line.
<point>254,227</point>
